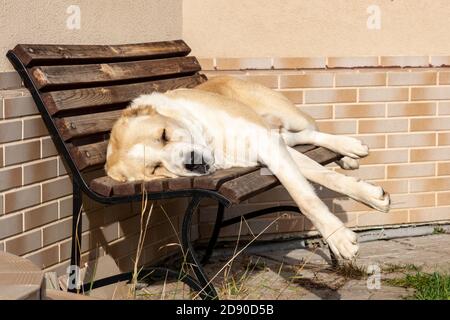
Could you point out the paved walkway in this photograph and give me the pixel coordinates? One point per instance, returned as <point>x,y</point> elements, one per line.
<point>285,271</point>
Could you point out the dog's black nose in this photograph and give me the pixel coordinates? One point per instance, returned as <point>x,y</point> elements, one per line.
<point>196,163</point>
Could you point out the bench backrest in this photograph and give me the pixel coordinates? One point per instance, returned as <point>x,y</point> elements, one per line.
<point>85,87</point>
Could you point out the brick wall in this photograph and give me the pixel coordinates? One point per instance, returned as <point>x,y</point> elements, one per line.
<point>399,106</point>
<point>402,113</point>
<point>36,198</point>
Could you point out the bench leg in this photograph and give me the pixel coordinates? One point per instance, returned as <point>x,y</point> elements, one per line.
<point>215,234</point>
<point>75,257</point>
<point>188,248</point>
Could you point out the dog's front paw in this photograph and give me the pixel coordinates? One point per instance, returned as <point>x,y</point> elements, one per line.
<point>351,147</point>
<point>343,243</point>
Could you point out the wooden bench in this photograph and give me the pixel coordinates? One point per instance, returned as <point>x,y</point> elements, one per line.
<point>80,91</point>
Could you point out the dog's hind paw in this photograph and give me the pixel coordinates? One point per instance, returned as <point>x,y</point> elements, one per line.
<point>343,243</point>
<point>348,163</point>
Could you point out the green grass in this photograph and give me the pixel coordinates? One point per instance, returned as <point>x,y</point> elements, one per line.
<point>438,230</point>
<point>428,286</point>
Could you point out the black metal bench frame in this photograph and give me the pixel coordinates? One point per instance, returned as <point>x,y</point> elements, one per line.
<point>201,283</point>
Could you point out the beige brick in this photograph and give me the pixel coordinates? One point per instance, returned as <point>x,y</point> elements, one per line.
<point>10,178</point>
<point>429,214</point>
<point>300,63</point>
<point>1,204</point>
<point>65,207</point>
<point>348,205</point>
<point>10,131</point>
<point>373,141</point>
<point>22,198</point>
<point>404,61</point>
<point>337,127</point>
<point>416,78</point>
<point>46,257</point>
<point>318,111</point>
<point>39,171</point>
<point>411,140</point>
<point>33,128</point>
<point>431,93</point>
<point>206,63</point>
<point>383,94</point>
<point>411,170</point>
<point>243,63</point>
<point>56,188</point>
<point>61,167</point>
<point>273,195</point>
<point>380,219</point>
<point>444,77</point>
<point>444,139</point>
<point>444,108</point>
<point>426,154</point>
<point>20,107</point>
<point>1,157</point>
<point>10,225</point>
<point>429,184</point>
<point>430,124</point>
<point>443,198</point>
<point>10,80</point>
<point>417,200</point>
<point>270,81</point>
<point>25,243</point>
<point>440,61</point>
<point>444,169</point>
<point>383,125</point>
<point>365,172</point>
<point>385,156</point>
<point>296,96</point>
<point>352,62</point>
<point>393,186</point>
<point>22,152</point>
<point>364,79</point>
<point>310,80</point>
<point>41,215</point>
<point>295,224</point>
<point>411,109</point>
<point>350,220</point>
<point>360,111</point>
<point>330,96</point>
<point>48,147</point>
<point>57,231</point>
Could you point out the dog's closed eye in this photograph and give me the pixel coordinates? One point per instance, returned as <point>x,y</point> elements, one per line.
<point>164,137</point>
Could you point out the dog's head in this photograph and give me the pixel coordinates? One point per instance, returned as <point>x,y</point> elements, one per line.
<point>146,143</point>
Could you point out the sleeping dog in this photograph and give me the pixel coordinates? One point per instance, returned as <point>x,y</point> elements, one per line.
<point>228,122</point>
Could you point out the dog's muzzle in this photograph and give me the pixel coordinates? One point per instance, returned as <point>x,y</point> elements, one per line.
<point>198,163</point>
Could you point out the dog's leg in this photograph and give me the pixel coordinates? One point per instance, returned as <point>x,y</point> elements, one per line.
<point>347,146</point>
<point>359,190</point>
<point>342,241</point>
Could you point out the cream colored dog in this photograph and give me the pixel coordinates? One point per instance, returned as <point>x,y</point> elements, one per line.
<point>227,122</point>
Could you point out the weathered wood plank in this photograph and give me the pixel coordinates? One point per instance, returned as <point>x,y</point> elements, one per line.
<point>96,74</point>
<point>67,100</point>
<point>78,126</point>
<point>103,185</point>
<point>215,180</point>
<point>89,155</point>
<point>247,186</point>
<point>323,156</point>
<point>38,54</point>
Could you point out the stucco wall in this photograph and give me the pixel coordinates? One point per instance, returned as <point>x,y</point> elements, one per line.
<point>258,28</point>
<point>102,21</point>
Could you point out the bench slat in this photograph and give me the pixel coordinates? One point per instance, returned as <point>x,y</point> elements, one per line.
<point>97,74</point>
<point>246,186</point>
<point>32,54</point>
<point>69,100</point>
<point>78,126</point>
<point>89,155</point>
